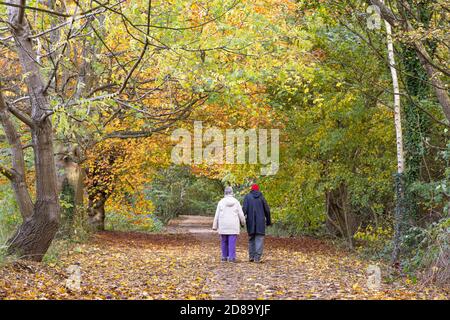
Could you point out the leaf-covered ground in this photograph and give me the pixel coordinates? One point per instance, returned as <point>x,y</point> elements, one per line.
<point>186,265</point>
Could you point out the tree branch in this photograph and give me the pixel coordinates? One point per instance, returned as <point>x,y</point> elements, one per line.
<point>129,134</point>
<point>21,116</point>
<point>8,173</point>
<point>17,174</point>
<point>22,11</point>
<point>22,6</point>
<point>386,13</point>
<point>424,58</point>
<point>182,114</point>
<point>144,49</point>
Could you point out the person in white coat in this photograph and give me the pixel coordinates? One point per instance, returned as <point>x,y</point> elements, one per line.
<point>227,221</point>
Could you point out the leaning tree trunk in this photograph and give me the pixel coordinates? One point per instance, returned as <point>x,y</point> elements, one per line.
<point>36,233</point>
<point>17,175</point>
<point>34,236</point>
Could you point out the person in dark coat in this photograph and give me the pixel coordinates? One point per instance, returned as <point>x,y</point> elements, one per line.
<point>257,215</point>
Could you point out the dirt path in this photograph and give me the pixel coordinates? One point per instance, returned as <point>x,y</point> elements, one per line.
<point>195,225</point>
<point>184,263</point>
<point>221,285</point>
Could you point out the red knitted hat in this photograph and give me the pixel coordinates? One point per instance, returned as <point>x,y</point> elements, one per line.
<point>255,187</point>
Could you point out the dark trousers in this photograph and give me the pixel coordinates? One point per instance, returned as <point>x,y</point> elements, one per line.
<point>255,246</point>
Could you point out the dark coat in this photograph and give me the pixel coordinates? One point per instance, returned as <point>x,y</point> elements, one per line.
<point>257,213</point>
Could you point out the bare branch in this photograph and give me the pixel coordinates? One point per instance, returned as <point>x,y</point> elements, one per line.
<point>21,116</point>
<point>54,28</point>
<point>183,114</point>
<point>56,65</point>
<point>144,49</point>
<point>128,134</point>
<point>19,100</point>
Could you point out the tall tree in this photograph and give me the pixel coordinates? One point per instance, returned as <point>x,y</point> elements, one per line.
<point>39,226</point>
<point>399,183</point>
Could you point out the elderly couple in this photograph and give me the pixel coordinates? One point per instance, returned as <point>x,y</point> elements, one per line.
<point>230,216</point>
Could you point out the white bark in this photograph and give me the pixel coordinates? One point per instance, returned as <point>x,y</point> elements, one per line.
<point>399,141</point>
<point>397,107</point>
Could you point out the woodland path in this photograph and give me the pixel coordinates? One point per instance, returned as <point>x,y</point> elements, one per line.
<point>184,263</point>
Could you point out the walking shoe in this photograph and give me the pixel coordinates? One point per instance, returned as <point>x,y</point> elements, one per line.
<point>251,260</point>
<point>224,260</point>
<point>232,260</point>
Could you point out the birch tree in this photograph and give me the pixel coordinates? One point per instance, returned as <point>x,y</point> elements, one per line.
<point>399,210</point>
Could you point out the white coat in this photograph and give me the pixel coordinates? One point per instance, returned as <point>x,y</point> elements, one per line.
<point>229,216</point>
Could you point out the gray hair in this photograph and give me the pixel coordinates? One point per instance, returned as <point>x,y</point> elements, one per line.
<point>228,191</point>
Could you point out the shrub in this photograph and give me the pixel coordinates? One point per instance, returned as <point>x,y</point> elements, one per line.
<point>119,221</point>
<point>374,242</point>
<point>430,251</point>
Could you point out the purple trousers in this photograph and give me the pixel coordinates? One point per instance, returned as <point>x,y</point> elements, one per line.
<point>228,245</point>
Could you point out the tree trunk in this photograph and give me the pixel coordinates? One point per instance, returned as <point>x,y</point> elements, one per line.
<point>36,233</point>
<point>440,88</point>
<point>340,216</point>
<point>70,186</point>
<point>100,179</point>
<point>96,213</point>
<point>17,175</point>
<point>399,185</point>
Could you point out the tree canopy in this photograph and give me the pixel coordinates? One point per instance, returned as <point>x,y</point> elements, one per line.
<point>92,91</point>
